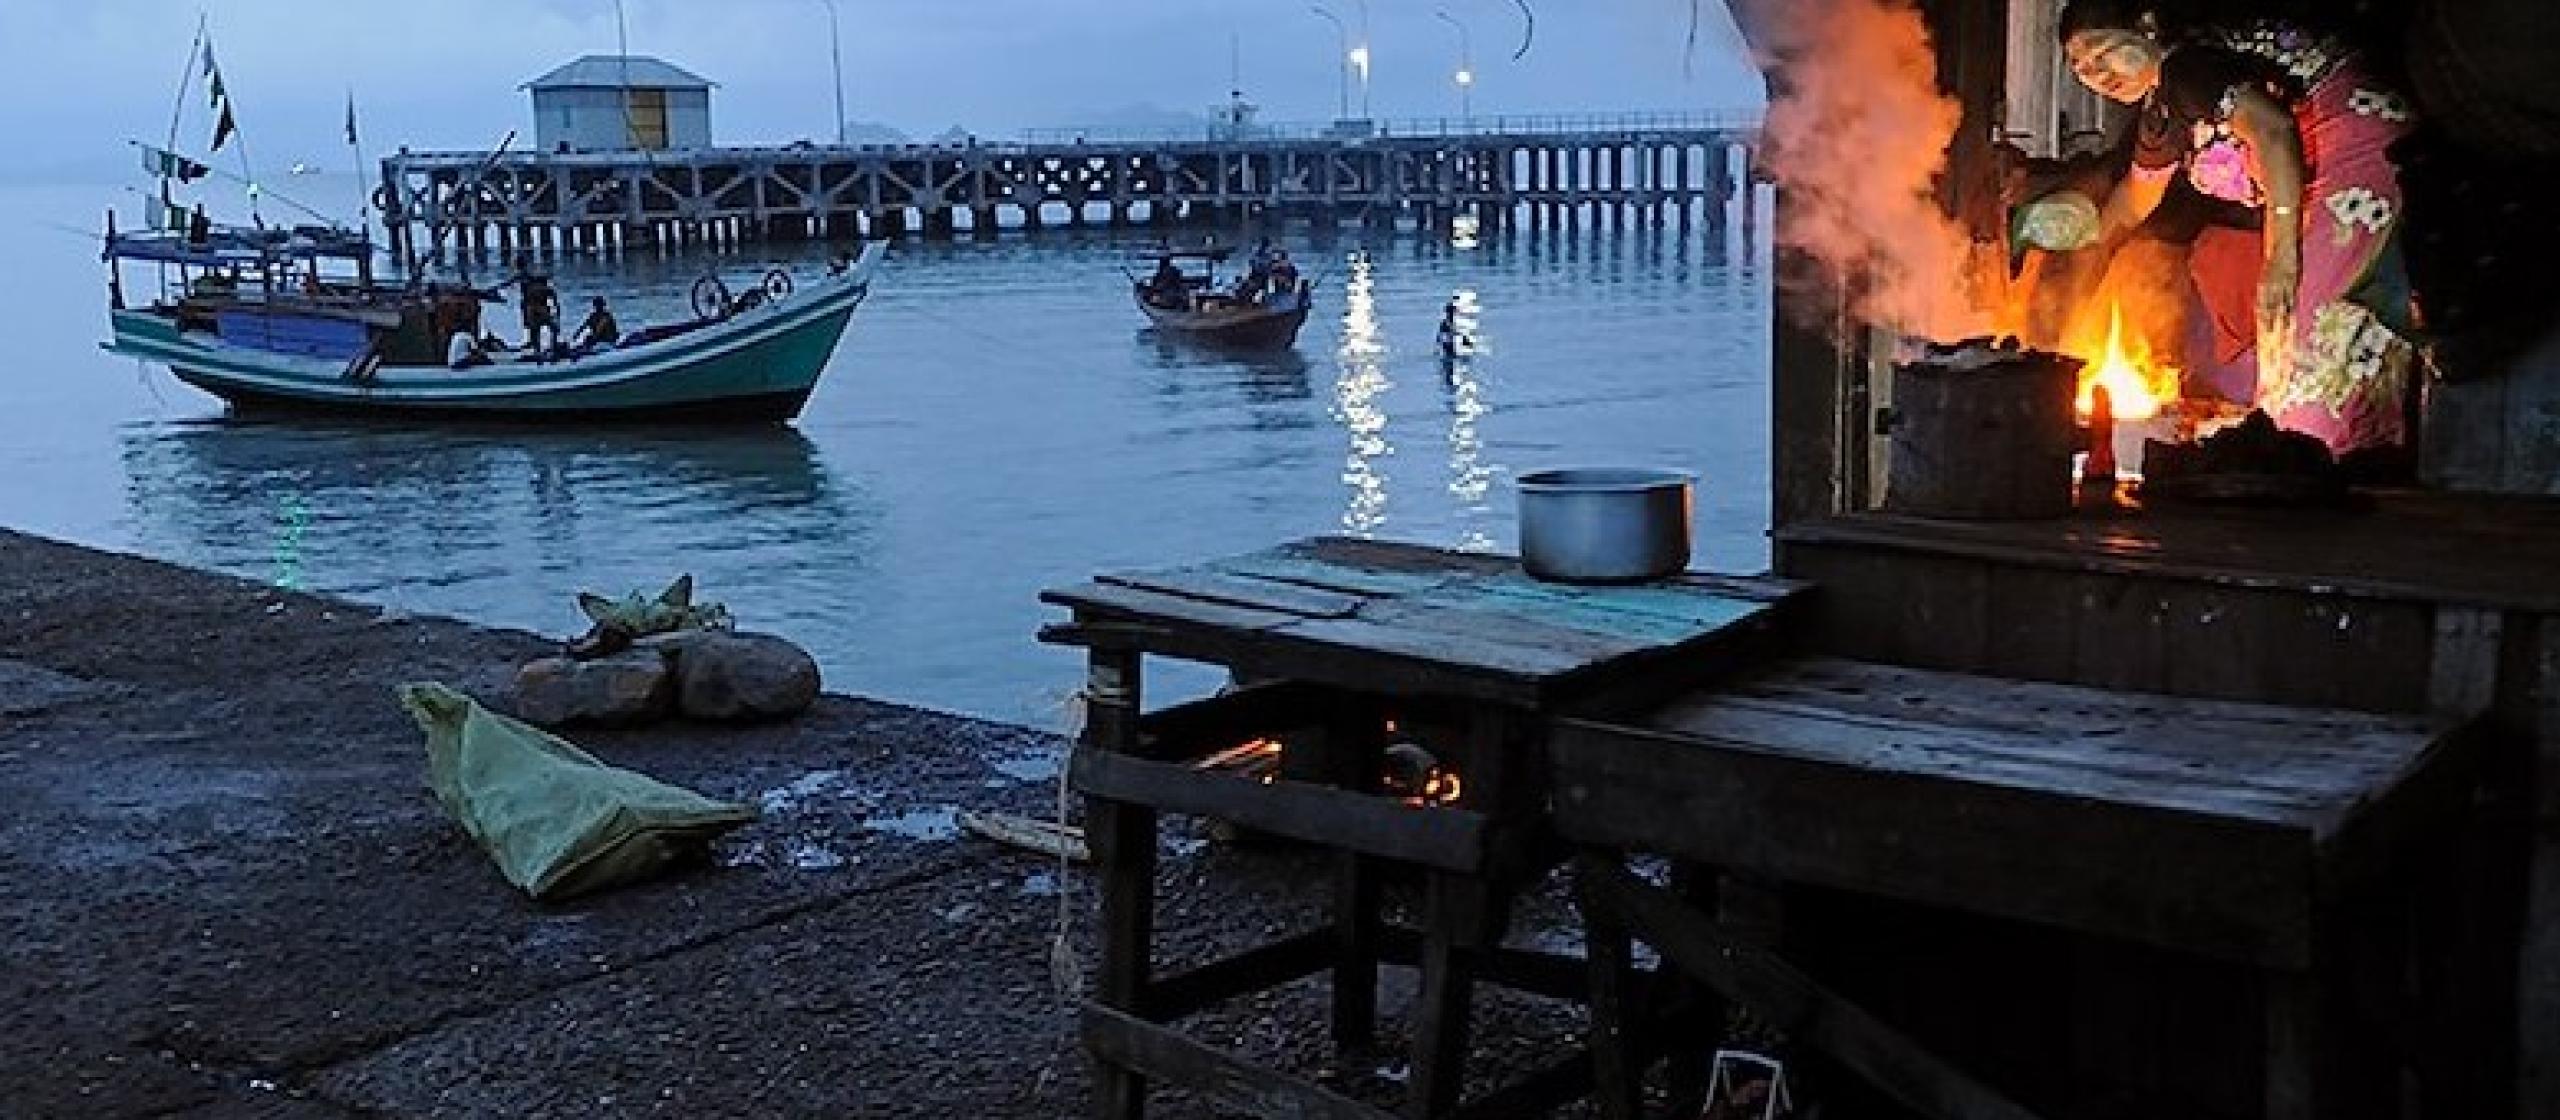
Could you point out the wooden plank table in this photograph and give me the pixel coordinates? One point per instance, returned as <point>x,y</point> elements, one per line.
<point>2230,831</point>
<point>1347,634</point>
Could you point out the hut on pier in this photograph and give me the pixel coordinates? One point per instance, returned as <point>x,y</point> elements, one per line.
<point>620,103</point>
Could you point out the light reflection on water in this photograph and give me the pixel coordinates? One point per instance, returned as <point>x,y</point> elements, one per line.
<point>996,422</point>
<point>1356,394</point>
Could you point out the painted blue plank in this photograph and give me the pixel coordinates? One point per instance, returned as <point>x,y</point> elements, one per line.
<point>1288,565</point>
<point>1654,620</point>
<point>1669,601</point>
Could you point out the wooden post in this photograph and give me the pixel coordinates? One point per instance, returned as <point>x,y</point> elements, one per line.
<point>1124,846</point>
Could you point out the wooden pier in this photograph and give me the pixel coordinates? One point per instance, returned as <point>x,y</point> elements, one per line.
<point>1544,170</point>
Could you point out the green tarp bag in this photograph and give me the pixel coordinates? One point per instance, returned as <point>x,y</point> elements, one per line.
<point>558,822</point>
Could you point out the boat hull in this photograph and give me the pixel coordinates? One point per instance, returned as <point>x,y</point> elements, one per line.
<point>1250,329</point>
<point>760,366</point>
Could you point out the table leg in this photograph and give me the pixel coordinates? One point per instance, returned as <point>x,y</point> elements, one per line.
<point>1353,743</point>
<point>1124,848</point>
<point>1355,966</point>
<point>1615,1067</point>
<point>1439,1061</point>
<point>2294,1046</point>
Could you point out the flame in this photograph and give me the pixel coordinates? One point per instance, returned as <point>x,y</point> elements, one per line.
<point>2136,383</point>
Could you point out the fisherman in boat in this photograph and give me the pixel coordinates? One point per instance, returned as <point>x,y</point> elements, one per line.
<point>597,332</point>
<point>464,350</point>
<point>1167,287</point>
<point>538,303</point>
<point>1284,273</point>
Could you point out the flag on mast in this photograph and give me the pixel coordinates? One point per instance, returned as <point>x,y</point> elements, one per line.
<point>351,118</point>
<point>223,125</point>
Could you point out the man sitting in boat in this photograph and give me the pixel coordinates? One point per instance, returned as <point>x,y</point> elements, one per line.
<point>598,332</point>
<point>1284,274</point>
<point>1167,288</point>
<point>464,351</point>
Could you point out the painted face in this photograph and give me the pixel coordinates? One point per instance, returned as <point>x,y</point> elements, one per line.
<point>2121,65</point>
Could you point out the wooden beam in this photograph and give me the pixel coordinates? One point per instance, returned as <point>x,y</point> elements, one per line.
<point>1267,966</point>
<point>1446,839</point>
<point>1221,1078</point>
<point>1794,1003</point>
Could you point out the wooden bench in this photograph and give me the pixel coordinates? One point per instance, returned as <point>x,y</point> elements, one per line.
<point>2233,832</point>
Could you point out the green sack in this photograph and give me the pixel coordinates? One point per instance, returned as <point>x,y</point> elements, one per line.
<point>557,821</point>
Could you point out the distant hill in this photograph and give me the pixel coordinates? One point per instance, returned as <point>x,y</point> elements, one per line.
<point>872,132</point>
<point>1141,117</point>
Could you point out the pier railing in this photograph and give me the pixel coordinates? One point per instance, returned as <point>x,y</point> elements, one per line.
<point>1480,124</point>
<point>1684,164</point>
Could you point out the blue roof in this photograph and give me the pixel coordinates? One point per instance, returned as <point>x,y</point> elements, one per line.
<point>613,71</point>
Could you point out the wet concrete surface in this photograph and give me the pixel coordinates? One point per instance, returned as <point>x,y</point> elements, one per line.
<point>226,891</point>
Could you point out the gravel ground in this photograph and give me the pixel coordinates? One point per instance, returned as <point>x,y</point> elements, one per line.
<point>225,891</point>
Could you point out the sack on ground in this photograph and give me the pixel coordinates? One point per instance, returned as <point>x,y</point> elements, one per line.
<point>558,821</point>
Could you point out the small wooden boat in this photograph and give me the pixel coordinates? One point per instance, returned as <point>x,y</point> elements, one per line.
<point>253,318</point>
<point>1262,312</point>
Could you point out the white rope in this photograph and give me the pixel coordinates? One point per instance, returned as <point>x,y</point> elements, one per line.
<point>1066,969</point>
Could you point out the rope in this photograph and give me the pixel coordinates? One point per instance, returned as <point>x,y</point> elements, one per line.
<point>1066,969</point>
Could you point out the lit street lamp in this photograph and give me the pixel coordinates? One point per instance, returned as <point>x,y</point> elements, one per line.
<point>1360,58</point>
<point>835,53</point>
<point>1466,67</point>
<point>1342,61</point>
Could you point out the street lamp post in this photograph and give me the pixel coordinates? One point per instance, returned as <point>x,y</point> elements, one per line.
<point>835,54</point>
<point>1342,60</point>
<point>1466,68</point>
<point>1360,58</point>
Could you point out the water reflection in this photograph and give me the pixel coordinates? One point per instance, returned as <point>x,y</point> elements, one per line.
<point>1262,376</point>
<point>359,509</point>
<point>1357,398</point>
<point>1470,477</point>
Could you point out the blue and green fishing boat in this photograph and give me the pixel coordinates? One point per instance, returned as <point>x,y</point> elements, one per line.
<point>262,319</point>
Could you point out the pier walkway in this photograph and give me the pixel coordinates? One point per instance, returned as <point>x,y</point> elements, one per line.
<point>1682,167</point>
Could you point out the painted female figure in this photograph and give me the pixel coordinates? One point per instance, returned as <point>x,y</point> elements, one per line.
<point>2310,310</point>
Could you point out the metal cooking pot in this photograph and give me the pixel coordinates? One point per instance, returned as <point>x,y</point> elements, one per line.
<point>1605,524</point>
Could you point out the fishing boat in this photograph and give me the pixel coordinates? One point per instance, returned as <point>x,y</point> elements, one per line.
<point>1263,311</point>
<point>277,318</point>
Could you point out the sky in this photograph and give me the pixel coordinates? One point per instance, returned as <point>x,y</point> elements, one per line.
<point>83,77</point>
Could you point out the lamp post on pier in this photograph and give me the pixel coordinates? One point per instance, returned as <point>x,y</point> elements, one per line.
<point>1342,60</point>
<point>835,54</point>
<point>1360,58</point>
<point>1466,69</point>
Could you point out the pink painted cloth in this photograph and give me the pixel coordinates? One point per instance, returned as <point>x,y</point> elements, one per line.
<point>2346,362</point>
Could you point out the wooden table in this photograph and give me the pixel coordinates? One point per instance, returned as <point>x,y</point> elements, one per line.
<point>2232,832</point>
<point>1346,635</point>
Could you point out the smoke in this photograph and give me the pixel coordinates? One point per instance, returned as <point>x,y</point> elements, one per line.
<point>1857,136</point>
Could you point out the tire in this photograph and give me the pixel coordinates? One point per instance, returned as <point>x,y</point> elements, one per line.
<point>710,298</point>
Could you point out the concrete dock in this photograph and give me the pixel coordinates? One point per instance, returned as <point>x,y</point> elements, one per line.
<point>226,891</point>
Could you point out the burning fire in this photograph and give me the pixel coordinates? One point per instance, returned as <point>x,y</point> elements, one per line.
<point>1440,786</point>
<point>2138,384</point>
<point>1413,774</point>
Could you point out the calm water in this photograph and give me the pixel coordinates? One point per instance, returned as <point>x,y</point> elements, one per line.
<point>996,421</point>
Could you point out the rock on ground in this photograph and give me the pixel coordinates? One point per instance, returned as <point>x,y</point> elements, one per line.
<point>633,686</point>
<point>726,676</point>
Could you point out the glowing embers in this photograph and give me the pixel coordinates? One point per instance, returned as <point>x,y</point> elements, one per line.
<point>1410,774</point>
<point>1416,776</point>
<point>2140,385</point>
<point>1258,759</point>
